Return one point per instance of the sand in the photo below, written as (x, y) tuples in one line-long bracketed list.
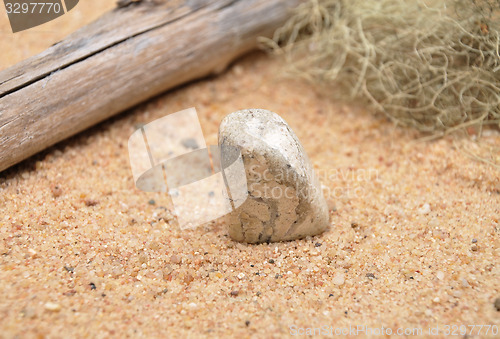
[(413, 243)]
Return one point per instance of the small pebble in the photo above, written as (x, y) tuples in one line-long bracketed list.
[(370, 275), (474, 248), (92, 286), (474, 240), (152, 202), (346, 264), (52, 307), (339, 278), (56, 191), (154, 245), (143, 258), (440, 275), (234, 293), (425, 209), (271, 261), (188, 278), (497, 304), (91, 202), (175, 259)]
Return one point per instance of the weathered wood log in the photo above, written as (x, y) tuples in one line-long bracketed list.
[(125, 57)]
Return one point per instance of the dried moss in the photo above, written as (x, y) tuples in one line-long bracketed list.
[(433, 66)]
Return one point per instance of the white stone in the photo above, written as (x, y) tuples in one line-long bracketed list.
[(285, 200), (339, 278), (425, 209), (53, 307)]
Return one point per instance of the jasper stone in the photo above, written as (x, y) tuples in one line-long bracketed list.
[(284, 201)]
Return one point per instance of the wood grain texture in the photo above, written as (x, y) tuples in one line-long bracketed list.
[(125, 57)]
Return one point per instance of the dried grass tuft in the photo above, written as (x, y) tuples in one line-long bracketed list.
[(434, 66)]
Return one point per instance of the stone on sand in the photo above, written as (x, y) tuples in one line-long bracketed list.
[(285, 201)]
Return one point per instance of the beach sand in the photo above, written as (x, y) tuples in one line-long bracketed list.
[(413, 242)]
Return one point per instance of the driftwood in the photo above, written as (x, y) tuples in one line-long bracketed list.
[(126, 56)]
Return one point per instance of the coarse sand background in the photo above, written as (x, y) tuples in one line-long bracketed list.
[(414, 238)]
